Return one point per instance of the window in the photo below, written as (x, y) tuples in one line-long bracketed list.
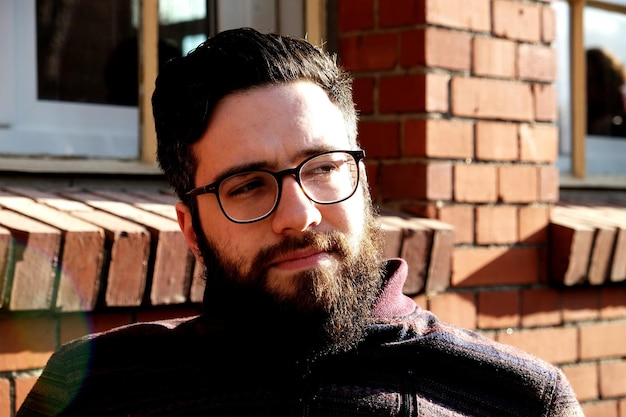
[(592, 86), (71, 87)]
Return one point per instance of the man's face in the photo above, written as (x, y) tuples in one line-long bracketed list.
[(300, 254)]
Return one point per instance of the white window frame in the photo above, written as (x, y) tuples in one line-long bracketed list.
[(55, 128), (31, 128), (583, 155)]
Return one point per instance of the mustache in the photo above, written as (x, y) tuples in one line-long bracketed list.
[(322, 241)]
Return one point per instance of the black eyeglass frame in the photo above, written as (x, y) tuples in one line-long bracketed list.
[(214, 187)]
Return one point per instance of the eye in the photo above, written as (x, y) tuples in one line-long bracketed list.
[(246, 185), (321, 169)]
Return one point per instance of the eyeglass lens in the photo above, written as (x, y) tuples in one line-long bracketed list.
[(325, 179)]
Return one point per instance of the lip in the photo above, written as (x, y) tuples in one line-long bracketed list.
[(301, 259)]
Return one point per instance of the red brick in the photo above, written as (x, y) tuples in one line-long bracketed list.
[(570, 248), (546, 106), (494, 57), (518, 184), (440, 263), (461, 217), (170, 269), (603, 340), (392, 235), (473, 15), (580, 305), (399, 12), (536, 63), (363, 94), (498, 309), (26, 343), (603, 242), (380, 139), (413, 48), (541, 307), (415, 249), (5, 398), (538, 143), (434, 47), (496, 224), (158, 203), (548, 24), (491, 99), (533, 223), (584, 380), (457, 309), (438, 138), (608, 256), (81, 261), (53, 200), (368, 52), (548, 183), (23, 386), (612, 303), (36, 259), (475, 183), (555, 345), (516, 20), (613, 379), (129, 247), (355, 15), (600, 409), (432, 180), (496, 141), (473, 267), (414, 92)]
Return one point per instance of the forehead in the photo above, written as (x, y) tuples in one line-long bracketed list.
[(272, 126)]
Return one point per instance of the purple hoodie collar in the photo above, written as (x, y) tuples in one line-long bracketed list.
[(392, 301)]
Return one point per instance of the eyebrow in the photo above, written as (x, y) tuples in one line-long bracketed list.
[(264, 165)]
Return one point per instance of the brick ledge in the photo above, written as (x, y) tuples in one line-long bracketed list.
[(587, 242), (75, 250)]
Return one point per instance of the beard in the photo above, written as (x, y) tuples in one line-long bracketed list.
[(326, 310)]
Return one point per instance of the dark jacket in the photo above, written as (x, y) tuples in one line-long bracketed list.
[(410, 364)]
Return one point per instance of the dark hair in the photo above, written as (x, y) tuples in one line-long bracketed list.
[(188, 89)]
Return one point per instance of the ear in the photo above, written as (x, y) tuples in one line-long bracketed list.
[(186, 226)]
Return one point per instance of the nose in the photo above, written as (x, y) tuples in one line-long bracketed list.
[(295, 213)]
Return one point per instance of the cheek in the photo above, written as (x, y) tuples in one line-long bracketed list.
[(235, 243), (349, 218), (219, 232)]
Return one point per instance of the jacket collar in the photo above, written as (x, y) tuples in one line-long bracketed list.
[(392, 301)]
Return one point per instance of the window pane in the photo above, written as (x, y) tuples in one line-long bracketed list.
[(87, 50), (605, 32), (183, 25), (84, 51)]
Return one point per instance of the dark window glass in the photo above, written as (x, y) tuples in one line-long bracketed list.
[(606, 72), (87, 50)]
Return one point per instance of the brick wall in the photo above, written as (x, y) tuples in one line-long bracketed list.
[(76, 262), (458, 113), (458, 109)]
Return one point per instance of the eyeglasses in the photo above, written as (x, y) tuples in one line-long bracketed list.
[(327, 178)]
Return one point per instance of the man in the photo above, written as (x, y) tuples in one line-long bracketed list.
[(257, 135)]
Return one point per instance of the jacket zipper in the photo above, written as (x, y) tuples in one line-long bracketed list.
[(409, 405)]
